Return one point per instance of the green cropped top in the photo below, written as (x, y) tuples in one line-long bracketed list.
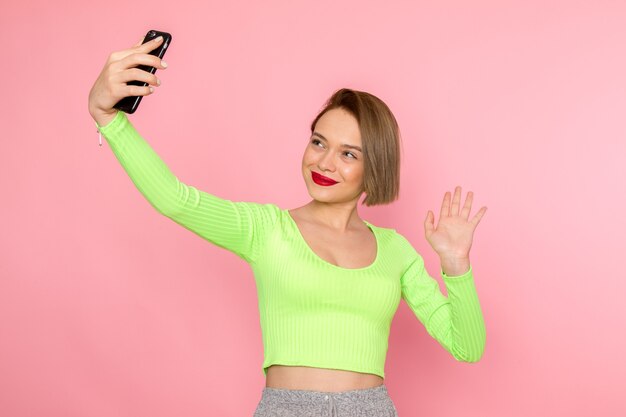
[(312, 313)]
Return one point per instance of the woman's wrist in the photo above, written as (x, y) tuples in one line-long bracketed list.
[(454, 267), (103, 118)]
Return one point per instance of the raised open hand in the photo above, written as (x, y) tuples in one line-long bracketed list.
[(452, 238)]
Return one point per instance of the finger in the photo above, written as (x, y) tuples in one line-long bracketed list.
[(134, 59), (445, 205), (139, 47), (478, 216), (136, 74), (137, 90), (456, 202), (467, 207), (428, 223), (150, 45)]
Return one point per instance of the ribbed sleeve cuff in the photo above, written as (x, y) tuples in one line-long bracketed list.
[(466, 275), (118, 123), (461, 286)]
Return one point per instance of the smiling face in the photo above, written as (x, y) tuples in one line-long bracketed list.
[(334, 151)]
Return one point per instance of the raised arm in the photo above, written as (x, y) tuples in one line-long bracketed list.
[(235, 226), (456, 321)]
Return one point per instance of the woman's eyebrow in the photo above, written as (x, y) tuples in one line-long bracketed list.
[(345, 145)]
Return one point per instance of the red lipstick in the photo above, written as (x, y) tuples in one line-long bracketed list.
[(319, 179)]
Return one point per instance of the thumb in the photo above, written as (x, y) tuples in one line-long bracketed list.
[(428, 223)]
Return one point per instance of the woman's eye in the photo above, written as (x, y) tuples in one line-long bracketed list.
[(315, 141), (351, 154)]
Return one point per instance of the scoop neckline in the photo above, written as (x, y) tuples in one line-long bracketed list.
[(324, 261)]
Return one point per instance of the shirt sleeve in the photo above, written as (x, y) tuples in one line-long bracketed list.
[(235, 226), (456, 321)]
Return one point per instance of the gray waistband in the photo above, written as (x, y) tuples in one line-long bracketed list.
[(307, 396)]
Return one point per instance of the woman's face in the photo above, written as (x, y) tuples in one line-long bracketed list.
[(334, 151)]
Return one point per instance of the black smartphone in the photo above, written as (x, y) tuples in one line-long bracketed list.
[(129, 104)]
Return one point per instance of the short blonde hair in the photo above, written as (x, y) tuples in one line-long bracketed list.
[(381, 142)]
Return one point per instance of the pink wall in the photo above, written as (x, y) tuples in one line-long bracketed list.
[(109, 309)]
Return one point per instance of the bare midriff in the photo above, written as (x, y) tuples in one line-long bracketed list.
[(319, 379)]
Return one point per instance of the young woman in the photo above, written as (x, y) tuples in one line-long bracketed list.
[(328, 282)]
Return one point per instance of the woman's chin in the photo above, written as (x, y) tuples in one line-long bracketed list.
[(328, 196)]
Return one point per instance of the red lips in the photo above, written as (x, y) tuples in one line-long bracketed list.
[(319, 179)]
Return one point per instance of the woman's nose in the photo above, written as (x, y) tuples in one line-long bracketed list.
[(326, 162)]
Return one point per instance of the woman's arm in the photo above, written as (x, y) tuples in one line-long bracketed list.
[(456, 321), (236, 226)]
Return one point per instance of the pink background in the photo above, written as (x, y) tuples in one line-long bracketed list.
[(108, 308)]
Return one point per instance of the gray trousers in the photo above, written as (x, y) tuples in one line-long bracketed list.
[(368, 402)]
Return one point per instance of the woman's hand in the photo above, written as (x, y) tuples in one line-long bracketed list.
[(110, 86), (452, 239)]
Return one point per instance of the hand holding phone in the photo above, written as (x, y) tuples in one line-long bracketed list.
[(130, 103), (128, 74)]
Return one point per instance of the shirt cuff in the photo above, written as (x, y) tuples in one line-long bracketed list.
[(466, 275), (112, 124)]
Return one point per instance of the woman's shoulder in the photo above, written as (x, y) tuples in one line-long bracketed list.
[(392, 235), (257, 205), (261, 212)]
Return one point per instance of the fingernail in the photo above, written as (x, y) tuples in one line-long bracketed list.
[(164, 63), (151, 89), (158, 39)]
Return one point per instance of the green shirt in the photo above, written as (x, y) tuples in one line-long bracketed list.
[(312, 313)]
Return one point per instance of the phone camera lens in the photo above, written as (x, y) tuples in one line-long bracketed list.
[(152, 33)]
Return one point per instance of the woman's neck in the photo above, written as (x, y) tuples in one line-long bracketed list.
[(337, 216)]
